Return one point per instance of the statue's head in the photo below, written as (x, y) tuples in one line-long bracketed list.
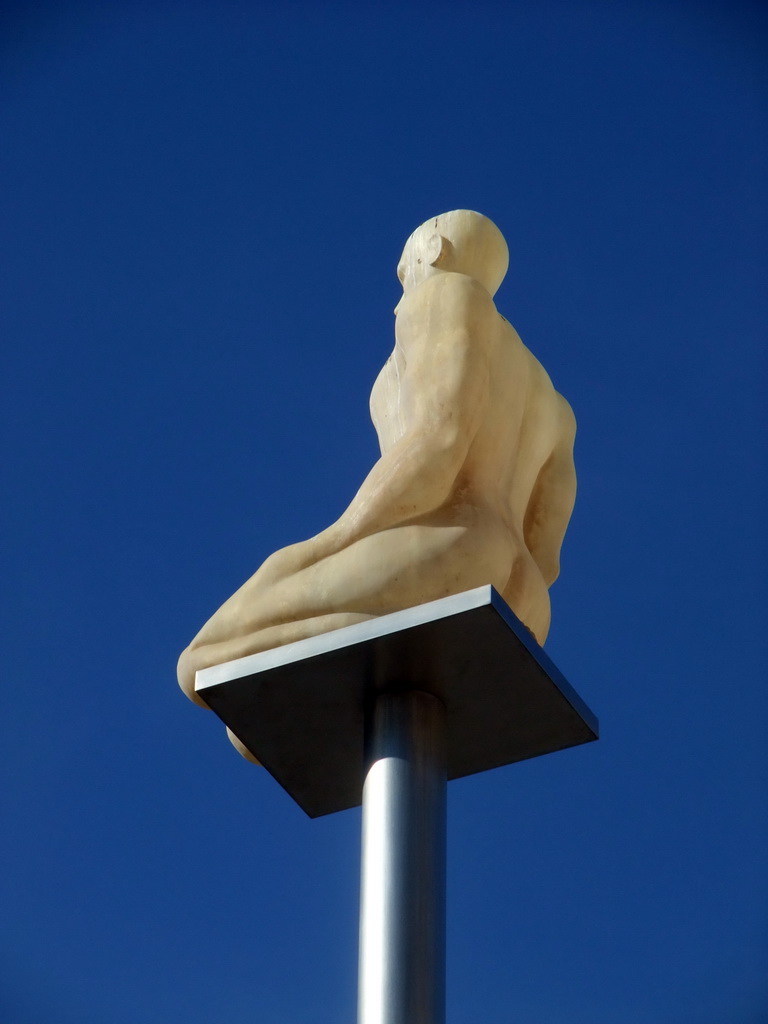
[(463, 242)]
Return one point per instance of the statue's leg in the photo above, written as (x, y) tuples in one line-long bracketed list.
[(450, 551), (201, 656)]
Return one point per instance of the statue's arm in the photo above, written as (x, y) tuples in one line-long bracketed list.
[(552, 500), (444, 392)]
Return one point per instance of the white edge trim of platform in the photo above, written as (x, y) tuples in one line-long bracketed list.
[(383, 625)]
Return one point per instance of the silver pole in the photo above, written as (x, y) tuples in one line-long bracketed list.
[(402, 906)]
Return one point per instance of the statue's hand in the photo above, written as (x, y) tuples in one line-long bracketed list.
[(283, 563), (291, 560), (332, 540)]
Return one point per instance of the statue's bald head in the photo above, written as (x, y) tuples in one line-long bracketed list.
[(464, 242)]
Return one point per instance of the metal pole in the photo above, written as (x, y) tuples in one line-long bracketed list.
[(402, 907)]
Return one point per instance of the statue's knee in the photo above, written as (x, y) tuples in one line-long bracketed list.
[(189, 663)]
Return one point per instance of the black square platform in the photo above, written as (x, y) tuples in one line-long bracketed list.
[(301, 709)]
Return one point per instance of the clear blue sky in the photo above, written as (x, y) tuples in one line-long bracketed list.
[(203, 205)]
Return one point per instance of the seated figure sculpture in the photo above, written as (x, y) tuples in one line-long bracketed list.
[(475, 483)]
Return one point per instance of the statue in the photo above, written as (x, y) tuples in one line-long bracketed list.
[(475, 483)]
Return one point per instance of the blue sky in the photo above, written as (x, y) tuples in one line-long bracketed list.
[(203, 206)]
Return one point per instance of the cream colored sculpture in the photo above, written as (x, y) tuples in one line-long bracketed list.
[(475, 483)]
